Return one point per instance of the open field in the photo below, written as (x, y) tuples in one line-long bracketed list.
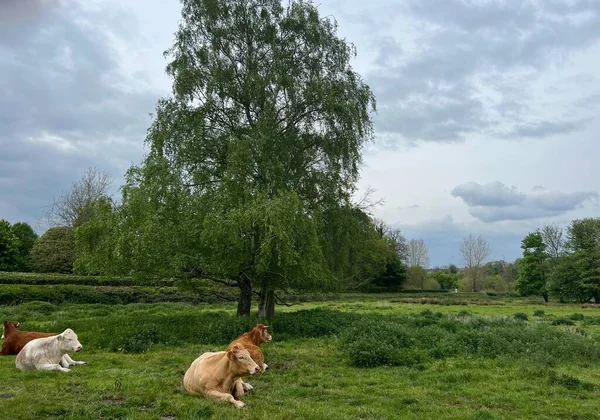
[(453, 357)]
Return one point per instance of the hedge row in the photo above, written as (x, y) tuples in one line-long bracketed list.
[(17, 294), (64, 279)]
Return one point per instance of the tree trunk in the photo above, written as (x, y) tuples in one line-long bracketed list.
[(545, 296), (596, 298), (245, 299), (262, 300), (270, 304)]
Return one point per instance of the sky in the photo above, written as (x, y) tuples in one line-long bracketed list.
[(488, 111)]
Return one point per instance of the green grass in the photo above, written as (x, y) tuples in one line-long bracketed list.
[(311, 375)]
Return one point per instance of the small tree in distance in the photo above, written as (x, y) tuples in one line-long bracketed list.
[(474, 252), (75, 206)]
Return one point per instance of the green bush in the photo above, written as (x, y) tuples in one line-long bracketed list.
[(54, 251), (539, 312), (412, 340), (521, 316), (562, 321), (577, 317)]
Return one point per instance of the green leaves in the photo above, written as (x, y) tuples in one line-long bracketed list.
[(16, 242), (532, 279)]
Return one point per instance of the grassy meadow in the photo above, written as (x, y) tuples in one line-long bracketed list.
[(438, 356)]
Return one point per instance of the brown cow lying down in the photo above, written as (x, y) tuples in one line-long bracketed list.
[(15, 340), (218, 374), (251, 341)]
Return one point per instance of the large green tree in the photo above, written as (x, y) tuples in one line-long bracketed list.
[(256, 154), (26, 237), (532, 278), (9, 247)]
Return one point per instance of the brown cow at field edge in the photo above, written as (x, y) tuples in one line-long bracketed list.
[(15, 339), (218, 375)]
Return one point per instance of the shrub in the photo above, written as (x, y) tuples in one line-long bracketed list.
[(54, 251), (562, 321), (539, 312), (577, 317), (412, 340), (521, 316)]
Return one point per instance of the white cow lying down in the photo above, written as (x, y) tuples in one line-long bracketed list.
[(49, 353)]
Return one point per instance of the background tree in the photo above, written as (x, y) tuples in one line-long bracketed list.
[(96, 250), (474, 252), (255, 157), (9, 247), (446, 279), (75, 206), (26, 239), (584, 241), (54, 251), (399, 240), (418, 255), (554, 240), (532, 277), (418, 260)]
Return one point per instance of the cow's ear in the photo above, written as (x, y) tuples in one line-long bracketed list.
[(231, 355)]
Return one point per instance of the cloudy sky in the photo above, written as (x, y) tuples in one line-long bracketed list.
[(488, 110)]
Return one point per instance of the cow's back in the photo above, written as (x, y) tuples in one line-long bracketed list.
[(203, 371), (34, 350), (15, 342)]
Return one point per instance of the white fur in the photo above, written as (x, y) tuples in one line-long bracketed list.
[(49, 353)]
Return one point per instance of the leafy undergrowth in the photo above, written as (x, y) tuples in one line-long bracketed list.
[(417, 339), (307, 379), (324, 363)]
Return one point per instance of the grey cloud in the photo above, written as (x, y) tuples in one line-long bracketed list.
[(432, 93), (548, 128), (66, 105), (495, 202), (492, 194)]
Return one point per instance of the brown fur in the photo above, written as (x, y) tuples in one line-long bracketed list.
[(251, 341), (218, 375), (15, 339)]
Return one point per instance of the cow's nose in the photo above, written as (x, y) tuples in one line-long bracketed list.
[(78, 348)]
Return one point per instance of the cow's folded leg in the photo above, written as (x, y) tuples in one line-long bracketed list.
[(246, 386), (50, 366), (72, 362), (238, 389), (64, 362), (225, 397)]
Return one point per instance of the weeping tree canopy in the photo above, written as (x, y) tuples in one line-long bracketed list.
[(251, 156)]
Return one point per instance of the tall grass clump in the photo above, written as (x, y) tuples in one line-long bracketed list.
[(415, 339)]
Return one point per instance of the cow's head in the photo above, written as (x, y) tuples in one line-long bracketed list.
[(260, 334), (242, 362), (9, 326), (68, 342)]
